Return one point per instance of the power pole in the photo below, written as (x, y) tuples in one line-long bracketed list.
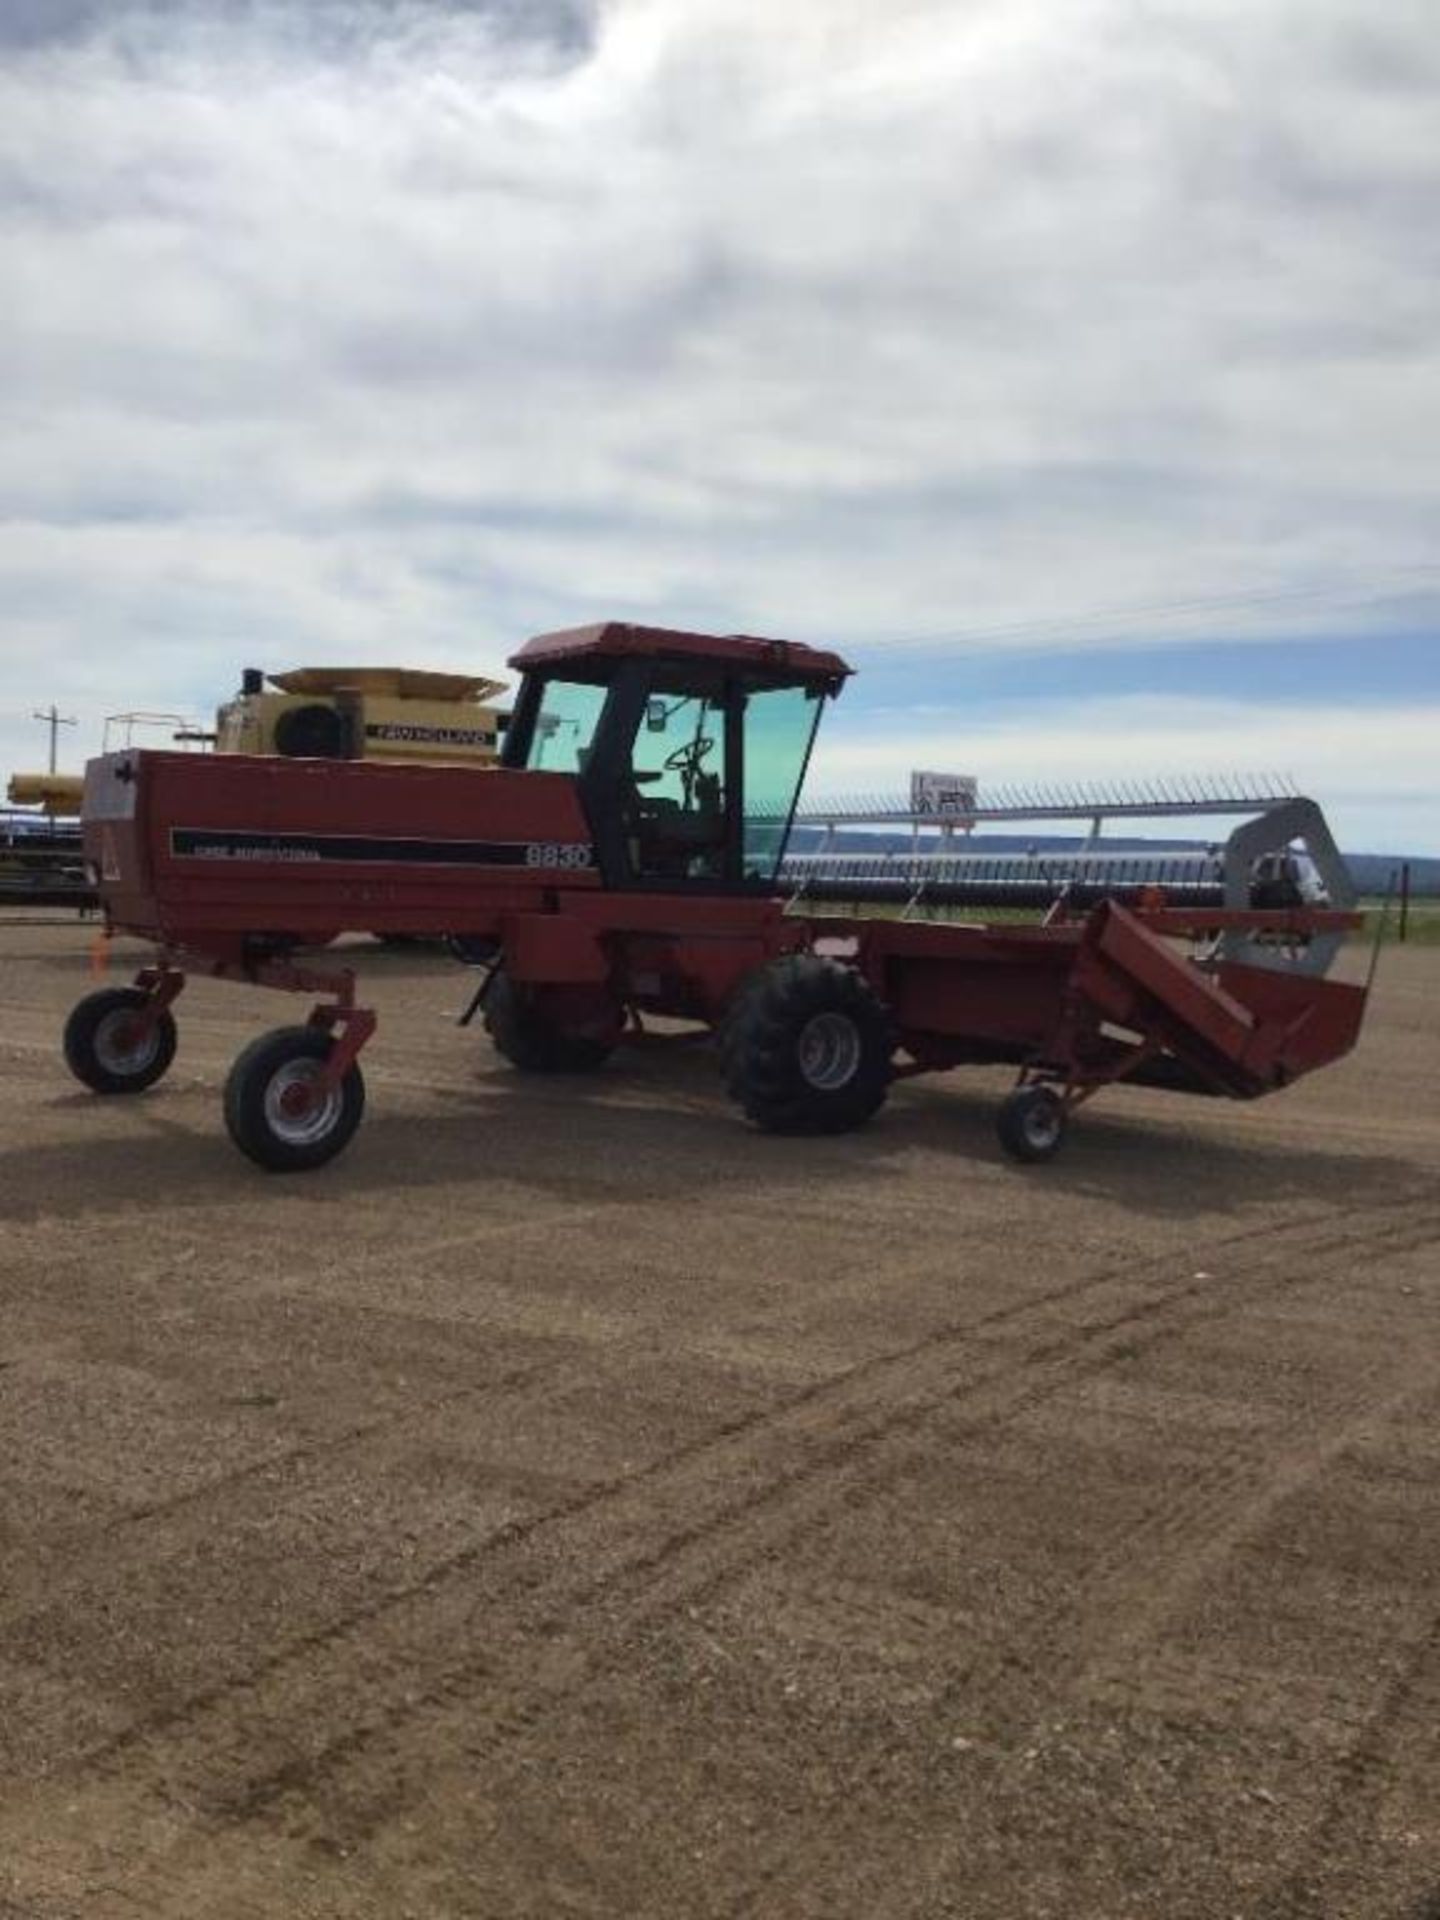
[(54, 719)]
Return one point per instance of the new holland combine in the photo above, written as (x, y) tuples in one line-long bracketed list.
[(319, 713), (363, 713), (620, 862)]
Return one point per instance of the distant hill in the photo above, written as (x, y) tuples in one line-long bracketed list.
[(1372, 873)]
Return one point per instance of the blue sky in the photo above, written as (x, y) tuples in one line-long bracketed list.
[(1070, 364), (1367, 671), (1349, 719)]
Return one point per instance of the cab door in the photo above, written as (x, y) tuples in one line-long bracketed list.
[(676, 794)]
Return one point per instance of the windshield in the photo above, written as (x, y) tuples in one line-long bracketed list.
[(779, 728)]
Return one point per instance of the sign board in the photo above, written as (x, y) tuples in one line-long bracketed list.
[(948, 796)]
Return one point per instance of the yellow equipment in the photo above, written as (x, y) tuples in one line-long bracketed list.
[(55, 794), (324, 713), (363, 713)]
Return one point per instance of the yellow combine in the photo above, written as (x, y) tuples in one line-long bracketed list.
[(56, 795), (363, 713), (330, 713)]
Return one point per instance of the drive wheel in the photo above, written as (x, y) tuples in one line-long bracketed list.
[(806, 1048), (1031, 1123), (550, 1029), (279, 1112), (111, 1048)]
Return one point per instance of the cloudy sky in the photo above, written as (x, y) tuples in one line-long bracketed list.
[(1071, 364)]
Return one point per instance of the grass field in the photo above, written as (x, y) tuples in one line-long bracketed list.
[(1423, 921)]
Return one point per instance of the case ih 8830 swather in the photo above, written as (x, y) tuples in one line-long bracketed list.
[(622, 861)]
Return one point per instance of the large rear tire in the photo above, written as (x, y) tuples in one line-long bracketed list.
[(553, 1030), (806, 1048), (111, 1048), (277, 1110)]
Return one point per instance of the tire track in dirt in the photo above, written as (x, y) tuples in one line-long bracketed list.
[(299, 1463), (1127, 1598), (1144, 1567), (288, 1463), (233, 1751), (816, 1399), (1012, 1669), (1406, 1710), (302, 1464), (1296, 1457)]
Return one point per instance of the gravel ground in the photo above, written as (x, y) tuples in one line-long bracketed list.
[(572, 1503)]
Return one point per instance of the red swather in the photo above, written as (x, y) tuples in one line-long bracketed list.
[(638, 879)]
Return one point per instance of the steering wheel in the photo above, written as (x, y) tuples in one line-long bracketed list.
[(687, 759)]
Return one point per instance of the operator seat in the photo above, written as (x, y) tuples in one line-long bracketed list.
[(671, 841)]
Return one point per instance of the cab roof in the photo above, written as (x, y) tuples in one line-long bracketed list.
[(782, 659)]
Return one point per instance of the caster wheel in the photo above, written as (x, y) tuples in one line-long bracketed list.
[(1031, 1123), (110, 1048), (279, 1111)]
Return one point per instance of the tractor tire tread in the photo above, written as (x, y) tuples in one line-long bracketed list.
[(759, 1047), (531, 1043)]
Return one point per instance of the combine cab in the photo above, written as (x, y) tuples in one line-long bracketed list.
[(622, 861)]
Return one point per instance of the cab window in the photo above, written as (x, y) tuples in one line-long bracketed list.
[(674, 798), (780, 727), (565, 726)]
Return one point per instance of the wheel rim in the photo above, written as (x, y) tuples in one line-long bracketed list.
[(298, 1109), (1041, 1122), (829, 1051), (123, 1046)]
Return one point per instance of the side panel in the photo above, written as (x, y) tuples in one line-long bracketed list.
[(991, 989), (314, 847), (552, 949), (116, 842), (1306, 1022), (685, 954)]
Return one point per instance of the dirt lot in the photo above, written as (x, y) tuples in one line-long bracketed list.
[(571, 1503)]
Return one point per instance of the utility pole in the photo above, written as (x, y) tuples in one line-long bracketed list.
[(53, 719)]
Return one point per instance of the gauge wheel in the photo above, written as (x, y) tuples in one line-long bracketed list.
[(1031, 1123), (112, 1047)]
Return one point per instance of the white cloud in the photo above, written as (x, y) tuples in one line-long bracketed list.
[(404, 331)]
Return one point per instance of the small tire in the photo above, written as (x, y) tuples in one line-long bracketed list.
[(807, 1048), (532, 1039), (270, 1110), (1031, 1123), (108, 1050)]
